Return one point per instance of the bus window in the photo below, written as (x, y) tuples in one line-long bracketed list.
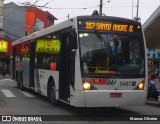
[(47, 53), (127, 57)]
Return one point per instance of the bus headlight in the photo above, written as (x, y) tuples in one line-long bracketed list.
[(86, 85), (141, 85)]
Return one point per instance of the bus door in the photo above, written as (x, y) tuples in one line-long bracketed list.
[(32, 64), (67, 66)]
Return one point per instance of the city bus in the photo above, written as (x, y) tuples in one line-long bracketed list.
[(86, 61)]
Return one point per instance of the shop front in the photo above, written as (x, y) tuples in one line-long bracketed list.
[(153, 56)]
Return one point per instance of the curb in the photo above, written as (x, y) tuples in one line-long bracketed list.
[(153, 103)]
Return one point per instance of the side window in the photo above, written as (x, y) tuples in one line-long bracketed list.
[(47, 51), (25, 51), (17, 53), (22, 52)]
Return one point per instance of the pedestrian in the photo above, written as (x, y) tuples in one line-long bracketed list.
[(1, 68), (4, 68), (152, 92)]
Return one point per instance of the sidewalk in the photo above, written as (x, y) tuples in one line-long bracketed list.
[(153, 103), (3, 77)]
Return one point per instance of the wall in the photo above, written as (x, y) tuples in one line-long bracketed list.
[(36, 19), (14, 21), (20, 21)]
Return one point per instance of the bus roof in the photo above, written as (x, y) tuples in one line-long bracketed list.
[(108, 18)]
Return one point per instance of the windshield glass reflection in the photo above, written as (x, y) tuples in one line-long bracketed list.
[(111, 54)]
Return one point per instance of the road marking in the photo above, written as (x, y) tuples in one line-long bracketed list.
[(8, 93), (6, 79), (27, 94)]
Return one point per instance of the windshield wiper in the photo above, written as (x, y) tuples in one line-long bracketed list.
[(106, 43)]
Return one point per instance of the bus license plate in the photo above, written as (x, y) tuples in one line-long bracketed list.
[(115, 95)]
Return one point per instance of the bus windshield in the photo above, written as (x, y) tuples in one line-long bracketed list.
[(103, 53)]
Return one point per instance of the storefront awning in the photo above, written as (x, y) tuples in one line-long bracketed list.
[(152, 30)]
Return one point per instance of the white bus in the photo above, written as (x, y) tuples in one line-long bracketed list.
[(87, 61)]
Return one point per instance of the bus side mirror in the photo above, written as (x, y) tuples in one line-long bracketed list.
[(73, 39)]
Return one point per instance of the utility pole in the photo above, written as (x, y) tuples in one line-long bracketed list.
[(137, 18), (100, 8), (132, 8), (1, 17), (137, 7)]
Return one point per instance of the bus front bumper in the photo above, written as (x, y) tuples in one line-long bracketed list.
[(110, 98)]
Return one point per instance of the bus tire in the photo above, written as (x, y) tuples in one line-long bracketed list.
[(52, 93), (21, 83)]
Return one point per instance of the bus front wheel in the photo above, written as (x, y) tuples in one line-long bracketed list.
[(52, 93)]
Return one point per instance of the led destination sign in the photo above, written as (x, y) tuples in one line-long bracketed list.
[(48, 46), (3, 46), (105, 26)]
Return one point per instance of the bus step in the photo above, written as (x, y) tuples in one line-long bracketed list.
[(64, 101), (32, 88)]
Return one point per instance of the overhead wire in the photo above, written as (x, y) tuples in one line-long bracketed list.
[(35, 2), (47, 3), (119, 7), (63, 17), (44, 6)]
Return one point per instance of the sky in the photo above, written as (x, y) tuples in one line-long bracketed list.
[(119, 8)]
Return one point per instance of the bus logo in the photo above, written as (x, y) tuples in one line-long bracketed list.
[(133, 83), (6, 118), (111, 82)]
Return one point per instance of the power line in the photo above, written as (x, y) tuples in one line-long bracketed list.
[(81, 8), (47, 3), (64, 17), (59, 8), (66, 8), (44, 6), (35, 2), (106, 2), (119, 6)]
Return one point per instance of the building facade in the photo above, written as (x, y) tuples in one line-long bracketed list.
[(152, 37), (20, 21)]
